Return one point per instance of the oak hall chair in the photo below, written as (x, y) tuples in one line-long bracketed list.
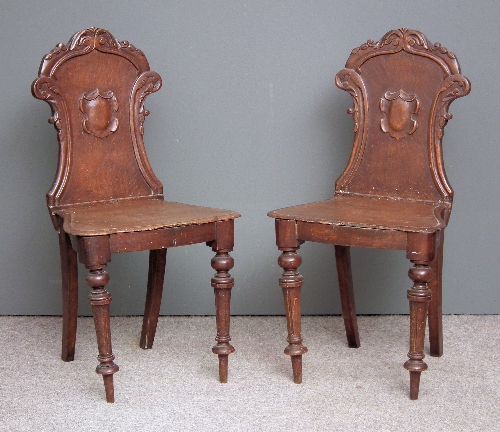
[(393, 194), (105, 197)]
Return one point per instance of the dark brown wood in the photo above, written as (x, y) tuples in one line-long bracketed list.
[(419, 296), (163, 237), (105, 193), (420, 251), (344, 236), (100, 300), (156, 275), (69, 273), (222, 283), (291, 284), (394, 193), (94, 253), (380, 213), (435, 316), (344, 273)]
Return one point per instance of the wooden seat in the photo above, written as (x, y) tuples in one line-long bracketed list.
[(393, 194), (106, 198)]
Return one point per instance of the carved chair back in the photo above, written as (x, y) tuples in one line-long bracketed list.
[(96, 88), (401, 87)]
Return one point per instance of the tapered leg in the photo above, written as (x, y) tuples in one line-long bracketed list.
[(222, 283), (291, 283), (419, 296), (69, 272), (157, 260), (100, 299), (436, 303), (344, 273)]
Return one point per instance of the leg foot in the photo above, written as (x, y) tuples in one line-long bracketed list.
[(223, 368), (414, 385), (297, 368), (109, 388)]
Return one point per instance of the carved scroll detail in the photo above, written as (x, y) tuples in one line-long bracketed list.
[(100, 108), (411, 41), (453, 87), (87, 40), (46, 89), (147, 83), (350, 81), (399, 108)]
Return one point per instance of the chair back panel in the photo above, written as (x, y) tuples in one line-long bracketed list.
[(96, 87), (401, 87)]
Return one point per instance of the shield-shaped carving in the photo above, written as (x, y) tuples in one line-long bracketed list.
[(100, 108), (399, 108)]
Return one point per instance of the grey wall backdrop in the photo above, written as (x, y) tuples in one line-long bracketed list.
[(249, 119)]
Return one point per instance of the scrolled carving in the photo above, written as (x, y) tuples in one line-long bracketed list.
[(46, 89), (453, 87), (59, 48), (408, 40), (369, 44), (100, 108), (85, 41), (350, 81), (96, 38), (147, 83), (398, 108), (438, 47)]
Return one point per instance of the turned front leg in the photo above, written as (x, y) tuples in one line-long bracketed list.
[(419, 296), (100, 299), (222, 282), (291, 283)]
